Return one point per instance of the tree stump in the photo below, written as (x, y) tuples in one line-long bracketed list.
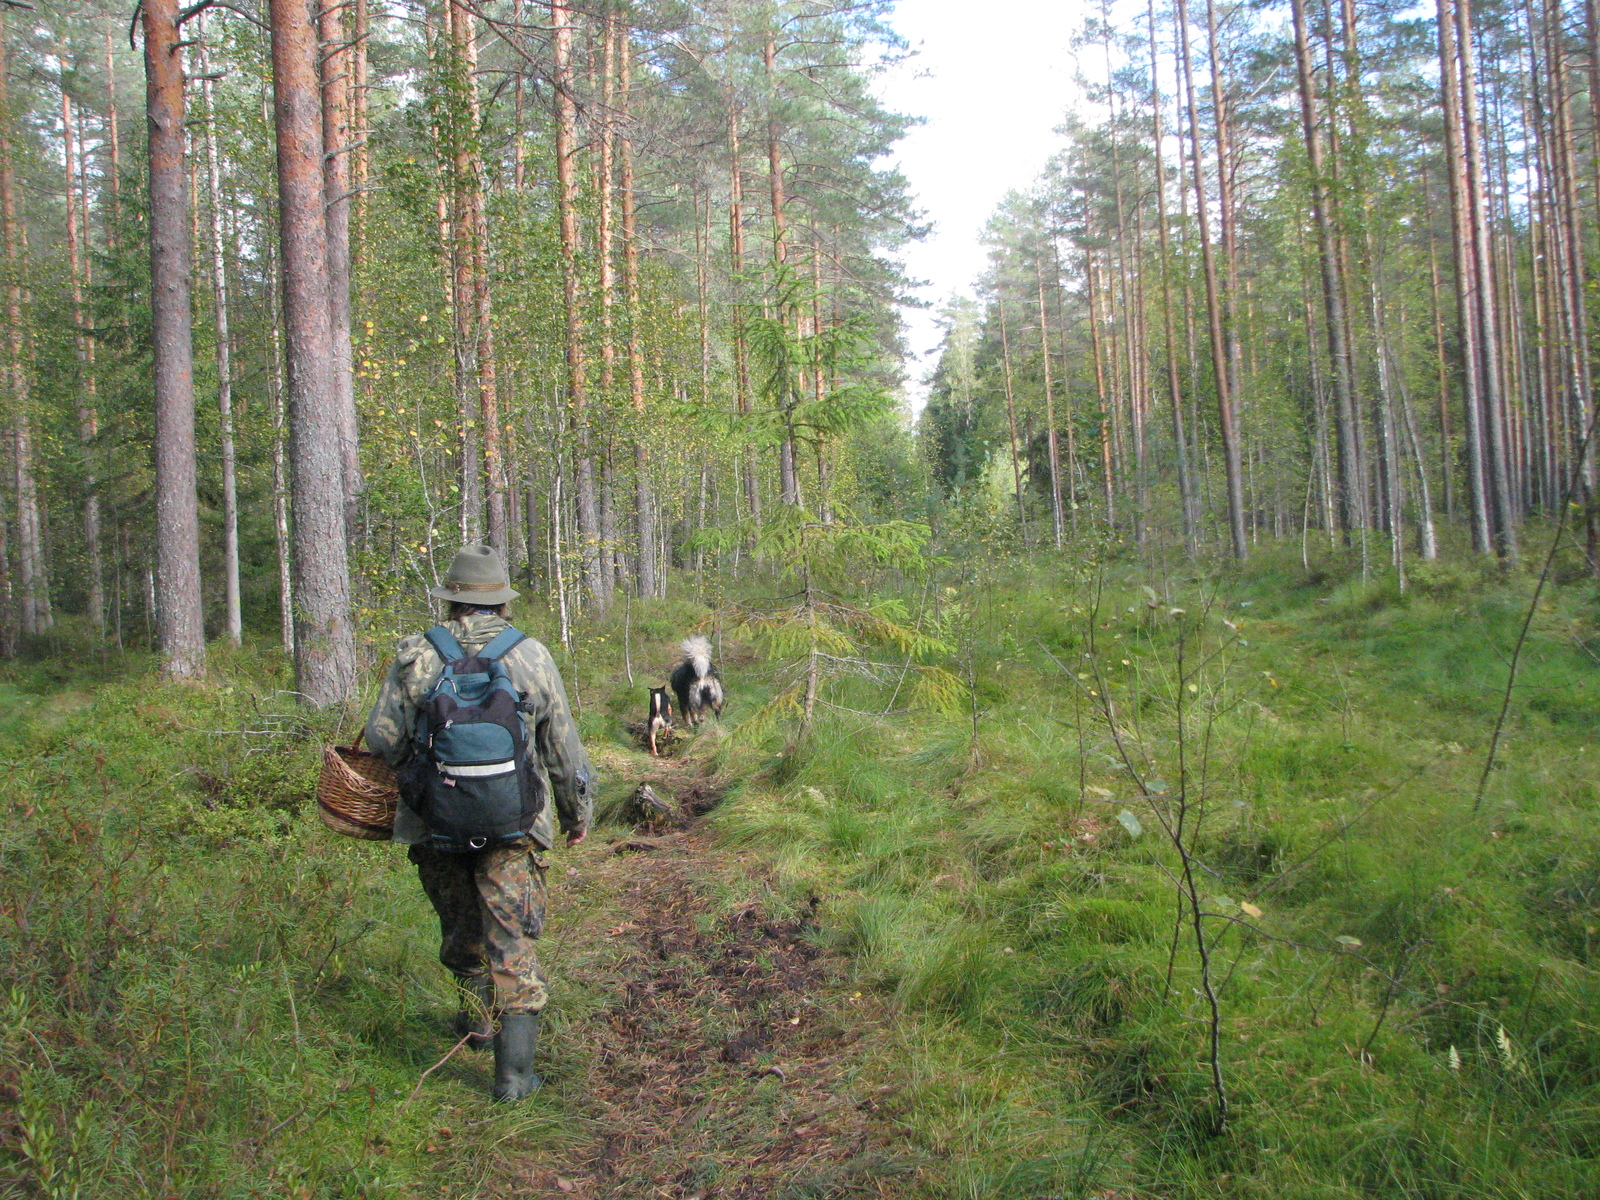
[(645, 808)]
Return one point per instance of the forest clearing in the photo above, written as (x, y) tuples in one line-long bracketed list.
[(1148, 755)]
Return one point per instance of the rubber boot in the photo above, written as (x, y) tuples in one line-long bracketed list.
[(476, 996), (513, 1056)]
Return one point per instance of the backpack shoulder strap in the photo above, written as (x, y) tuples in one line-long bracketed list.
[(507, 640), (443, 641)]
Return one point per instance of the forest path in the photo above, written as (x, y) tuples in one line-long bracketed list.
[(721, 1053)]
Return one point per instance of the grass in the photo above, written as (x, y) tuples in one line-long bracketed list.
[(202, 995), (987, 887)]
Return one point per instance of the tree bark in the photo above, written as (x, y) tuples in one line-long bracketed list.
[(219, 297), (88, 417), (741, 357), (788, 454), (1174, 383), (605, 251), (472, 212), (577, 369), (769, 58), (334, 59), (361, 29), (1057, 517), (454, 134), (1107, 475), (1011, 417), (8, 627), (324, 640), (1494, 413), (180, 632), (1441, 363), (1465, 280), (644, 499), (1221, 366), (276, 393), (113, 147), (1352, 506)]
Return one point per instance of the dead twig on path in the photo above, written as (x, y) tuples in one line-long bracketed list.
[(423, 1078)]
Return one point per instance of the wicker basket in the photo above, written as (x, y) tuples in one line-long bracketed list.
[(357, 793)]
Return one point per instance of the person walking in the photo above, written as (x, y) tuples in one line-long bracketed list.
[(474, 718)]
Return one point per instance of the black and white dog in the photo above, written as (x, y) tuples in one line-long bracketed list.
[(660, 717), (696, 682)]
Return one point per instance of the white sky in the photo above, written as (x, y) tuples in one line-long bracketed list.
[(993, 80)]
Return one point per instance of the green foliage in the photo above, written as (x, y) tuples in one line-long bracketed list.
[(204, 993), (1406, 1010), (819, 637)]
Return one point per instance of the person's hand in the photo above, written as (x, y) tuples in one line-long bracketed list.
[(576, 836)]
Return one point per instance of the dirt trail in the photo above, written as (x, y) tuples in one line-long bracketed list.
[(724, 1059)]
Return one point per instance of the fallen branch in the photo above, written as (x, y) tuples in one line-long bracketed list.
[(423, 1078)]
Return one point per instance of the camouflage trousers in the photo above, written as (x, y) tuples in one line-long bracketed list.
[(491, 910)]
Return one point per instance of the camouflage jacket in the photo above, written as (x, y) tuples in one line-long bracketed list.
[(560, 766)]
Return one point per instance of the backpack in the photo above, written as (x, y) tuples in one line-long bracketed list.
[(468, 778)]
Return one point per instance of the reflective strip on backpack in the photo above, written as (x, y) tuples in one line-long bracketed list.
[(478, 770)]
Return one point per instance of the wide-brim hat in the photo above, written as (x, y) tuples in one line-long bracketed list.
[(476, 576)]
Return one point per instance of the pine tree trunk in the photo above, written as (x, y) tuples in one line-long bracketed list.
[(1010, 410), (1056, 516), (1497, 460), (324, 642), (1352, 507), (819, 386), (1441, 363), (8, 626), (1186, 498), (113, 147), (1428, 543), (1465, 280), (788, 456), (1388, 447), (1138, 366), (88, 418), (180, 633), (741, 356), (277, 394), (334, 59), (605, 252), (780, 224), (456, 133), (474, 195), (650, 582), (361, 29), (1011, 420), (577, 369), (1222, 134), (1107, 475), (1571, 267), (219, 297), (88, 432), (1222, 368)]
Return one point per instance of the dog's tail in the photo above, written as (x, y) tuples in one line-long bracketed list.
[(697, 653)]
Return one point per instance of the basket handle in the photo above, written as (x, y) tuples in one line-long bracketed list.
[(356, 744)]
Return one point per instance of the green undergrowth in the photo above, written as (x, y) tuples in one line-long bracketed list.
[(203, 994), (1406, 986)]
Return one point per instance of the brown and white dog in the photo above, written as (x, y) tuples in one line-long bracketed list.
[(695, 680), (660, 716)]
